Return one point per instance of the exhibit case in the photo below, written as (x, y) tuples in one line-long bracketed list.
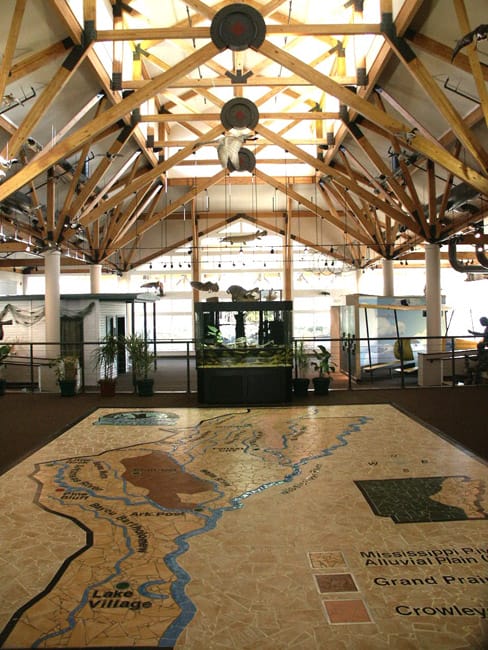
[(375, 324), (244, 352)]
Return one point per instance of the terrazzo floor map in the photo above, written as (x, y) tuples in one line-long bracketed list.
[(271, 528)]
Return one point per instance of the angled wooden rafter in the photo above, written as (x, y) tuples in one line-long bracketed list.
[(72, 142)]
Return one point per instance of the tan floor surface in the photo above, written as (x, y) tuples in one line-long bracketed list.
[(342, 527)]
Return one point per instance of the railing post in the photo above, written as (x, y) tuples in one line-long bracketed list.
[(188, 383), (31, 367), (402, 374)]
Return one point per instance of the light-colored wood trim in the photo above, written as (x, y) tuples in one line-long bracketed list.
[(9, 51), (72, 142), (40, 108), (439, 100), (473, 57), (169, 33)]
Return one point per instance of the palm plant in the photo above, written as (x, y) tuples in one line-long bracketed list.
[(105, 356), (142, 361)]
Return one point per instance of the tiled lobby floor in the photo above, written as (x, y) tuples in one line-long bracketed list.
[(343, 527)]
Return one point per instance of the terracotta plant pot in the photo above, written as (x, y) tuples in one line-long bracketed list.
[(107, 387)]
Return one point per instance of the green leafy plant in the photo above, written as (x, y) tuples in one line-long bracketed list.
[(301, 359), (66, 368), (4, 352), (105, 355), (214, 335), (141, 358), (323, 364)]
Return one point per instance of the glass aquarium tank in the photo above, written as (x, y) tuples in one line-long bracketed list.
[(244, 351)]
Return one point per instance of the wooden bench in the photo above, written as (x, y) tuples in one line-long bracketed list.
[(379, 366), (407, 370)]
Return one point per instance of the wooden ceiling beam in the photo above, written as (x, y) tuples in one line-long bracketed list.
[(443, 52), (74, 141), (290, 192), (193, 33), (44, 102), (170, 208), (215, 117), (33, 62), (342, 179), (226, 82), (473, 57), (439, 100), (9, 50), (392, 125), (148, 176)]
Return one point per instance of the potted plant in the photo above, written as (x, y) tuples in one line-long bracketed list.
[(4, 352), (300, 383), (324, 366), (142, 361), (105, 356), (66, 369)]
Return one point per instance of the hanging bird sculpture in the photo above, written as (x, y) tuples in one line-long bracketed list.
[(6, 164), (228, 147), (479, 33)]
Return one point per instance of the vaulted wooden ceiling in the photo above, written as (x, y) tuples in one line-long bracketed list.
[(367, 125)]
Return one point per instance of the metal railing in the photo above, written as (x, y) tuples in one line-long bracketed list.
[(29, 363)]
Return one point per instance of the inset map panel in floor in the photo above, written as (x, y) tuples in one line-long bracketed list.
[(433, 498)]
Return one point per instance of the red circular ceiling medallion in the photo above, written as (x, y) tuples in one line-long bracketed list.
[(238, 27)]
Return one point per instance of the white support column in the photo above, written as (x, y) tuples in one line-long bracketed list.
[(53, 302), (95, 278), (388, 284), (433, 295)]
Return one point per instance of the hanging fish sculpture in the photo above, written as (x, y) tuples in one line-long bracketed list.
[(204, 286), (239, 294), (243, 239), (479, 33)]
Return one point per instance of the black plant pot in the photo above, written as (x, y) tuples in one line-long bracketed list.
[(145, 387), (300, 386), (3, 386), (321, 385), (67, 387)]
